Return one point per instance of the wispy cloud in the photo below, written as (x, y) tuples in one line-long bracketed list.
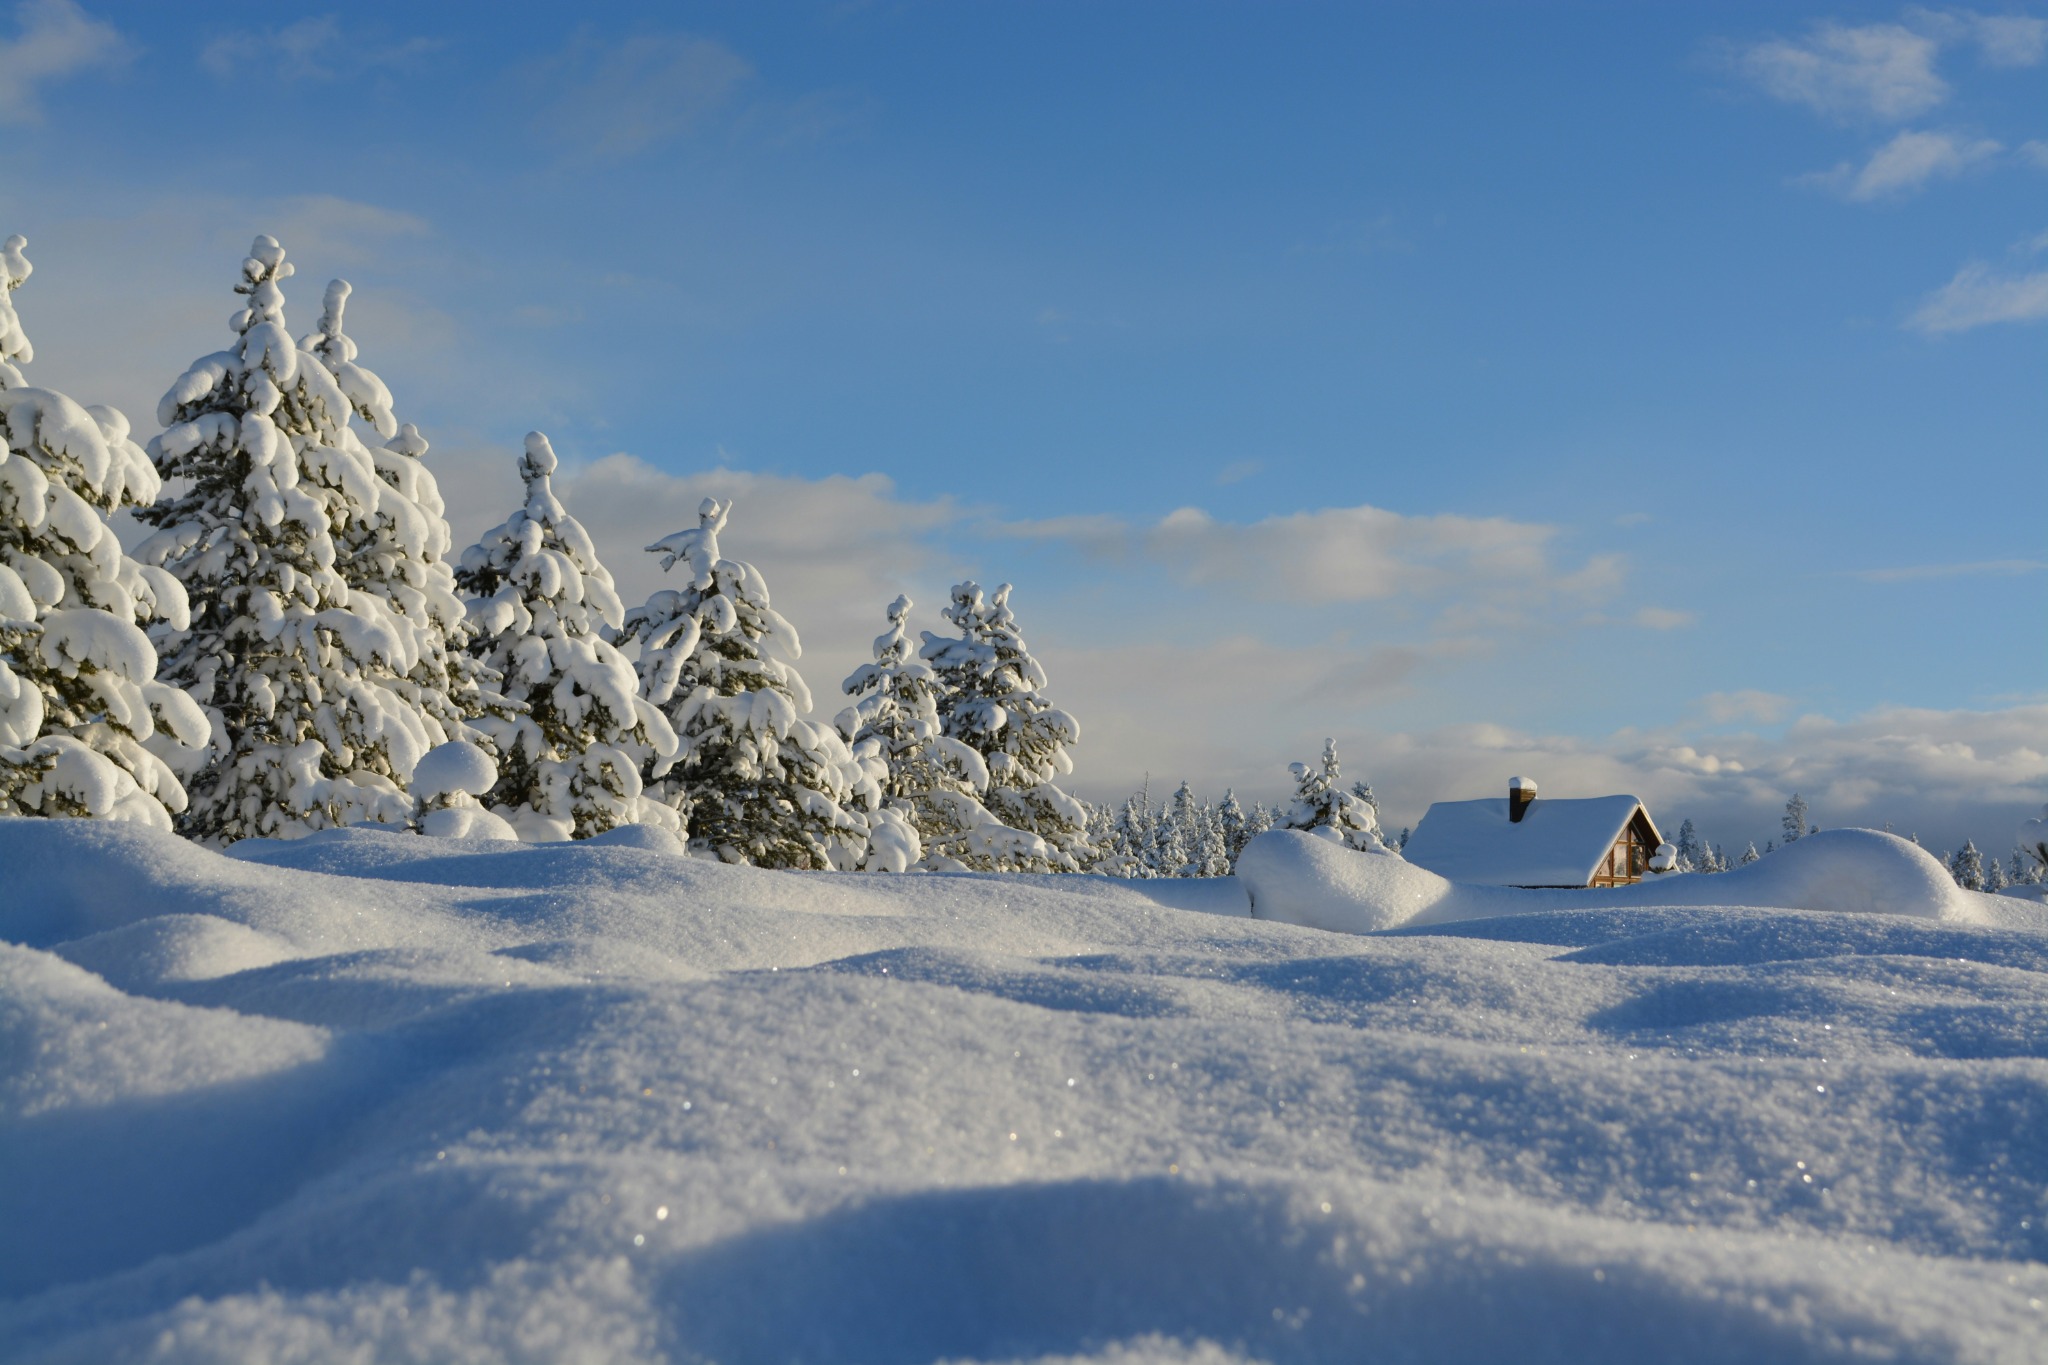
[(1872, 71), (2007, 40), (1906, 164), (54, 39), (614, 100), (1980, 295), (308, 49), (1341, 554), (1987, 568), (1237, 471)]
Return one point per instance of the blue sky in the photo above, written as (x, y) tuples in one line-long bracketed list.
[(1648, 397)]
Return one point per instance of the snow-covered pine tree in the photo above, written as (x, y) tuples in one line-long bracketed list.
[(1122, 839), (570, 765), (80, 707), (1692, 854), (1172, 846), (1749, 854), (992, 699), (1235, 825), (1966, 865), (2023, 868), (1322, 805), (1794, 823), (1995, 879), (398, 550), (1199, 837), (289, 665), (936, 780), (757, 781)]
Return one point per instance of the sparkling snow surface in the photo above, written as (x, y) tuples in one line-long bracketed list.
[(380, 1097)]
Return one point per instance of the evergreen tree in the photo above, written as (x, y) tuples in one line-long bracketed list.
[(1749, 854), (289, 664), (1321, 803), (935, 780), (1209, 849), (992, 699), (1966, 865), (569, 763), (1794, 823), (2024, 868), (80, 706), (1692, 854), (1236, 826), (1995, 878), (397, 551), (757, 782)]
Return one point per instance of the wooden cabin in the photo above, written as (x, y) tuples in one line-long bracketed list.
[(1521, 841)]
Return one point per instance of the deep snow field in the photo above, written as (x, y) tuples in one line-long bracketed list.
[(378, 1097)]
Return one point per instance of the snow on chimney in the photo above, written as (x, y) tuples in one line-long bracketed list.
[(1521, 796)]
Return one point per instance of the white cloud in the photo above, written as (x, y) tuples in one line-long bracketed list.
[(1343, 554), (308, 49), (1979, 296), (613, 100), (1882, 71), (2034, 152), (1905, 164), (56, 39), (2002, 568), (2007, 40), (1237, 471)]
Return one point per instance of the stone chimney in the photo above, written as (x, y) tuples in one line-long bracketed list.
[(1521, 796)]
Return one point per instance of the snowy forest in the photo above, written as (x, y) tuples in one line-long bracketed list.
[(297, 645)]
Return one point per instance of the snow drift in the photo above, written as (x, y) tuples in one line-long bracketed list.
[(1302, 879), (376, 1096)]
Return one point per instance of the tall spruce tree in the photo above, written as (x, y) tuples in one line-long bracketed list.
[(757, 781), (290, 665), (398, 550), (993, 700), (570, 762), (80, 706)]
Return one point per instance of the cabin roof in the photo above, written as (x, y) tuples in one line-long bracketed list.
[(1556, 842)]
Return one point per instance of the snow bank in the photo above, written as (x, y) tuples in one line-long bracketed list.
[(1298, 879), (369, 1095)]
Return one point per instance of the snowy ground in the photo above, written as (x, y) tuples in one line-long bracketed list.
[(378, 1097)]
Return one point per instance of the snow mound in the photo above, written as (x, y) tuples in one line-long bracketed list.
[(367, 1095), (168, 948), (1299, 879)]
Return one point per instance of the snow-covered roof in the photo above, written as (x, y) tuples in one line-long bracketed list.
[(1556, 843)]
